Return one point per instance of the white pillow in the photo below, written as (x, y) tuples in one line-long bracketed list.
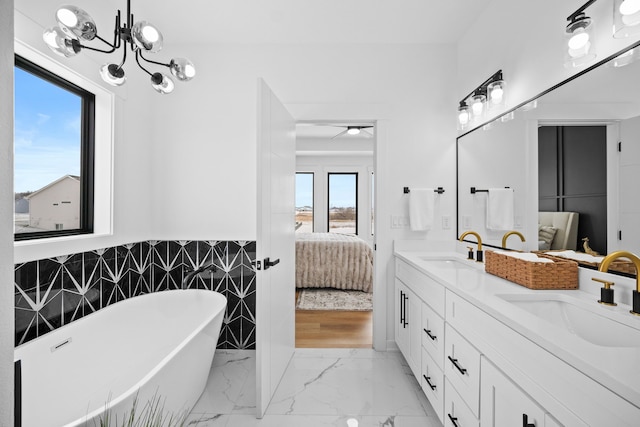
[(545, 236)]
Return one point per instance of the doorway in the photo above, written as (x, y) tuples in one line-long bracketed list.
[(572, 177), (335, 195)]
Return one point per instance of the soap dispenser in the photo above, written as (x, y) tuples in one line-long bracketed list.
[(606, 293)]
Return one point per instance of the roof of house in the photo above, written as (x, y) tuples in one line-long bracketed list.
[(51, 184)]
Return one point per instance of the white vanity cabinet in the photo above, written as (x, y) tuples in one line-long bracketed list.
[(503, 403), (477, 370)]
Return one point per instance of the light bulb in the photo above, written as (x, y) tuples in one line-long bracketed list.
[(579, 40), (162, 83), (66, 17), (150, 33), (463, 117), (629, 7), (477, 104), (496, 95), (353, 130), (352, 422)]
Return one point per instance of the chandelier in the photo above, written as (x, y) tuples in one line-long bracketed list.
[(76, 27)]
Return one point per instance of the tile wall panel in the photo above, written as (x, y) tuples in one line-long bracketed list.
[(52, 292)]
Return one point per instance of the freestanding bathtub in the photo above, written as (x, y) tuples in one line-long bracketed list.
[(155, 347)]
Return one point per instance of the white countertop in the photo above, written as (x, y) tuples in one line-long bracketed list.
[(617, 368)]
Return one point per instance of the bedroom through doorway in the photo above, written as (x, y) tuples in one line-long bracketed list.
[(335, 223)]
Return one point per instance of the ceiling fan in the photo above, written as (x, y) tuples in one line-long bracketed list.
[(354, 130)]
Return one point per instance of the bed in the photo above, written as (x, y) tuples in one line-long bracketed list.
[(332, 260)]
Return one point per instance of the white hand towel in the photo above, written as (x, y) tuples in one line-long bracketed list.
[(421, 207), (500, 209)]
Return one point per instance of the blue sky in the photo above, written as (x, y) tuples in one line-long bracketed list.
[(47, 132), (342, 190)]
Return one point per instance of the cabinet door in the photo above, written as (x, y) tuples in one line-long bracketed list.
[(503, 403), (401, 324)]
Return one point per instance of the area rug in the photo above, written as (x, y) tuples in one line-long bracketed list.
[(334, 299)]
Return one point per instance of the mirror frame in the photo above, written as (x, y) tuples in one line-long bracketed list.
[(513, 110)]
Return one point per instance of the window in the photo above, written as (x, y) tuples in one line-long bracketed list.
[(304, 202), (343, 202), (54, 154)]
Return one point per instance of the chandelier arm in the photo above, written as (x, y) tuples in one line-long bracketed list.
[(113, 49), (140, 65), (153, 62)]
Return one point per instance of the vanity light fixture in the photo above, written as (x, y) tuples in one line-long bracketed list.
[(76, 27), (464, 116), (626, 18), (488, 95), (579, 47)]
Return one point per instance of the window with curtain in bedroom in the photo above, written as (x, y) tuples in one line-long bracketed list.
[(343, 202), (304, 202), (53, 154)]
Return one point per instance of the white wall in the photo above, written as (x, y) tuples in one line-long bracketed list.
[(321, 166), (629, 176), (205, 139), (525, 39), (6, 213)]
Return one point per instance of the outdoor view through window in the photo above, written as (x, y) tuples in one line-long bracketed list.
[(342, 202), (47, 150)]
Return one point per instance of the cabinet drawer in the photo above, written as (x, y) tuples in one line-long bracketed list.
[(432, 382), (432, 333), (456, 412), (462, 368), (424, 286)]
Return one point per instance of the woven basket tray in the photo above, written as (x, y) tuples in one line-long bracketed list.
[(559, 274), (619, 265)]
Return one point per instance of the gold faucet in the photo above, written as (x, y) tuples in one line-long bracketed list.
[(479, 250), (509, 233), (604, 267)]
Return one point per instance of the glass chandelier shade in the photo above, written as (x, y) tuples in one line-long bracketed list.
[(146, 36), (75, 27), (113, 74), (182, 69), (162, 83), (579, 49), (626, 18), (59, 42), (76, 23)]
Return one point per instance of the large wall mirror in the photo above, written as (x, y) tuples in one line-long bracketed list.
[(563, 163)]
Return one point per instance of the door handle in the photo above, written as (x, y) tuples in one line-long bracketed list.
[(428, 332), (268, 263), (428, 380), (457, 365)]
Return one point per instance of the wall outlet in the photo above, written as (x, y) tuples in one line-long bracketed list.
[(399, 221), (466, 221), (446, 222)]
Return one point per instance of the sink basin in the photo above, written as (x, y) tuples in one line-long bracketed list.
[(448, 263), (574, 317)]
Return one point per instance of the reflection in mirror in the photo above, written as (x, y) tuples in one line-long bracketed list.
[(572, 188)]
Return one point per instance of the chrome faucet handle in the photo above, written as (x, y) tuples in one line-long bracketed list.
[(606, 293)]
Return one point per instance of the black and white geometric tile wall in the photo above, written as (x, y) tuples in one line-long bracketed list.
[(50, 293)]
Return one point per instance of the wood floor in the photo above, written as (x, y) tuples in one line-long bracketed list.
[(334, 329)]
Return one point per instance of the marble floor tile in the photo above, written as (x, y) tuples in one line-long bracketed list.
[(321, 387)]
